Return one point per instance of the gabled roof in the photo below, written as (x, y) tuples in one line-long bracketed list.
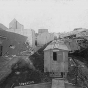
[(3, 27), (14, 20), (57, 44)]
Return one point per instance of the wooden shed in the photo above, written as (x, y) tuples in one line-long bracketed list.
[(56, 57)]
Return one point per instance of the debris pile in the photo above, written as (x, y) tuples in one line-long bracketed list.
[(38, 58), (29, 67), (22, 72)]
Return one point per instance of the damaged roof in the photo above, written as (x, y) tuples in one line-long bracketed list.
[(12, 36), (12, 43), (57, 44)]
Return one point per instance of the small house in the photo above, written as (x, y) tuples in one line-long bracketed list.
[(56, 57)]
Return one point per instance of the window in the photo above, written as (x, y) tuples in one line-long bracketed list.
[(54, 56), (36, 42), (12, 46), (1, 50)]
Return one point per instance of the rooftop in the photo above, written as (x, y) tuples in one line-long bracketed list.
[(57, 44)]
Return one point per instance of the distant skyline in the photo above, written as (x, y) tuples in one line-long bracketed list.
[(54, 15)]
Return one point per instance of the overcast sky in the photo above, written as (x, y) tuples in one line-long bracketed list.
[(55, 15)]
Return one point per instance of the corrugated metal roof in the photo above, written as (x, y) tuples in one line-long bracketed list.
[(57, 44)]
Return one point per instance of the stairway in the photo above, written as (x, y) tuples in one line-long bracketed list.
[(61, 83)]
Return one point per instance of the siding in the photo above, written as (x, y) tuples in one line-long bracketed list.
[(57, 66), (47, 61), (60, 65)]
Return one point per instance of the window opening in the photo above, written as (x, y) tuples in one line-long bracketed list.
[(54, 56)]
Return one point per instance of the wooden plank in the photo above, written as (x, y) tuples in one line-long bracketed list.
[(58, 83)]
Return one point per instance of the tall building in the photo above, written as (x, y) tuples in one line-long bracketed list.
[(30, 33), (16, 27), (44, 38), (14, 24), (42, 30)]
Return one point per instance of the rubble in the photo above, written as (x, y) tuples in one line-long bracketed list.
[(28, 67), (38, 58), (22, 73)]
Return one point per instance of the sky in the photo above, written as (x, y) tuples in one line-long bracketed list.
[(54, 15)]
